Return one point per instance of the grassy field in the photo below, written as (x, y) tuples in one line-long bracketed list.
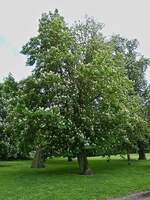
[(60, 181)]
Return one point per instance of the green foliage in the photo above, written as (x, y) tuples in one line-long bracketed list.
[(79, 95), (135, 63), (8, 91)]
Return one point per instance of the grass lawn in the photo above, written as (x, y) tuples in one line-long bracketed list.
[(60, 181)]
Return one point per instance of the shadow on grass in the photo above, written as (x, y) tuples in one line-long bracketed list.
[(62, 167), (3, 165), (58, 167)]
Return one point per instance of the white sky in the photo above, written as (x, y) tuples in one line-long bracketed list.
[(19, 21)]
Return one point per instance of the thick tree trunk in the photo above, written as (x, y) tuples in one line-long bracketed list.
[(38, 161), (69, 159), (141, 151), (83, 165)]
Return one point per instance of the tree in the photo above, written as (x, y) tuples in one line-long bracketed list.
[(3, 144), (136, 66), (8, 143), (82, 94)]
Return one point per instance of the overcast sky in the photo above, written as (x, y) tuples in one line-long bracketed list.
[(19, 21)]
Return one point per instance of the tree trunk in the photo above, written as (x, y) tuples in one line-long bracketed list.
[(69, 159), (38, 161), (129, 159), (141, 151), (108, 158), (83, 165)]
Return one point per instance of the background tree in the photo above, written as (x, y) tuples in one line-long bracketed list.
[(3, 140), (136, 65), (8, 90)]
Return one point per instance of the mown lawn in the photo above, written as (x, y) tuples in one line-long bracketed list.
[(60, 181)]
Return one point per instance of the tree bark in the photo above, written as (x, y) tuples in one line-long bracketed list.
[(38, 161), (129, 159), (69, 159), (141, 151), (83, 165)]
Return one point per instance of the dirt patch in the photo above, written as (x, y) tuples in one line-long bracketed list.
[(136, 196)]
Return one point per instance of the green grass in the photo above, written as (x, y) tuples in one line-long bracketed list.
[(60, 181)]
